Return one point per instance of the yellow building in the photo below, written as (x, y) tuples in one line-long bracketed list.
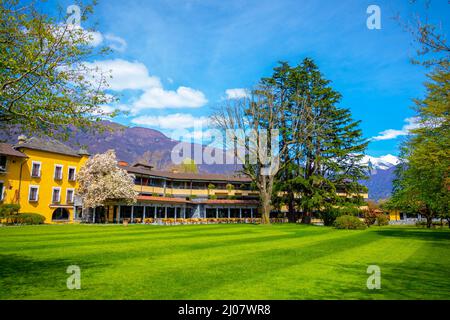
[(40, 176)]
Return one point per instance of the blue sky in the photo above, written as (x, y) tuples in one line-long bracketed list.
[(176, 59)]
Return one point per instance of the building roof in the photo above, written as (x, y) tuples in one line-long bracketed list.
[(209, 177), (8, 150), (47, 144), (182, 200)]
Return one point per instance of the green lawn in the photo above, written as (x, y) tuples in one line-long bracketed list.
[(223, 262)]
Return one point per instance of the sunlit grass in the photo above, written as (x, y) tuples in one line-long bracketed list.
[(223, 262)]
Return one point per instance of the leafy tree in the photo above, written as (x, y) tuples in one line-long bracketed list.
[(320, 145), (257, 117), (431, 44), (102, 182), (423, 183), (44, 83), (188, 165)]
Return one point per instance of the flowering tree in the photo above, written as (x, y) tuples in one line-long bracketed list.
[(102, 182)]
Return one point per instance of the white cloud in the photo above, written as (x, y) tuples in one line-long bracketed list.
[(115, 42), (94, 38), (126, 75), (236, 93), (172, 121), (411, 123), (134, 75), (157, 98)]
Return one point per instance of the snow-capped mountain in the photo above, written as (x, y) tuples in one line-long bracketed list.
[(382, 174), (381, 163)]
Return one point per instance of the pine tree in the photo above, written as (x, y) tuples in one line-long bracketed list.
[(325, 168)]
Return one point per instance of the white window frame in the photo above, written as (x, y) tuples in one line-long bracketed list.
[(74, 173), (53, 191), (73, 195), (40, 168), (2, 190), (37, 193), (62, 172)]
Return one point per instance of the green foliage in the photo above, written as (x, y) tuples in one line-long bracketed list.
[(7, 210), (382, 220), (211, 186), (212, 197), (45, 84), (422, 184), (329, 143), (29, 218), (351, 210), (25, 219), (349, 222), (188, 165), (330, 215), (370, 218)]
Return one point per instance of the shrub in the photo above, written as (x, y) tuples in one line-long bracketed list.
[(349, 222), (7, 210), (330, 215), (369, 218), (27, 218), (382, 220)]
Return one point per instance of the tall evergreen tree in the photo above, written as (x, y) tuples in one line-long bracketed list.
[(326, 168)]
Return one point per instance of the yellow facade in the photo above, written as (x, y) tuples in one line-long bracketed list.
[(394, 215), (18, 181)]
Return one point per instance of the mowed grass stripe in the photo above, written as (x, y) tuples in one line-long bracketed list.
[(221, 261)]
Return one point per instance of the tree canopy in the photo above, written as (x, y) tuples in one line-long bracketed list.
[(44, 83)]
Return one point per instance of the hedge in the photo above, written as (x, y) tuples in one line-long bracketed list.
[(349, 222)]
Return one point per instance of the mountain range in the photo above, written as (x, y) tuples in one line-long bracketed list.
[(138, 144)]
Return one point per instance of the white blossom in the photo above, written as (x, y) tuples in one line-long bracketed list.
[(101, 182)]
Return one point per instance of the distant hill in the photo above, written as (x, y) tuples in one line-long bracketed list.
[(153, 147), (380, 183), (132, 144)]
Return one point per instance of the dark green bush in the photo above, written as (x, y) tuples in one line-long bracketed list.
[(330, 215), (30, 218), (7, 210), (349, 222), (27, 218)]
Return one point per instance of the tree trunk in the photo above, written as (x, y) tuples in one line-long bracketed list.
[(265, 212), (291, 208), (429, 221)]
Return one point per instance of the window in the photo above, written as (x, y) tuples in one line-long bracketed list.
[(71, 173), (58, 172), (69, 196), (36, 169), (2, 163), (33, 194), (2, 190), (56, 194)]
